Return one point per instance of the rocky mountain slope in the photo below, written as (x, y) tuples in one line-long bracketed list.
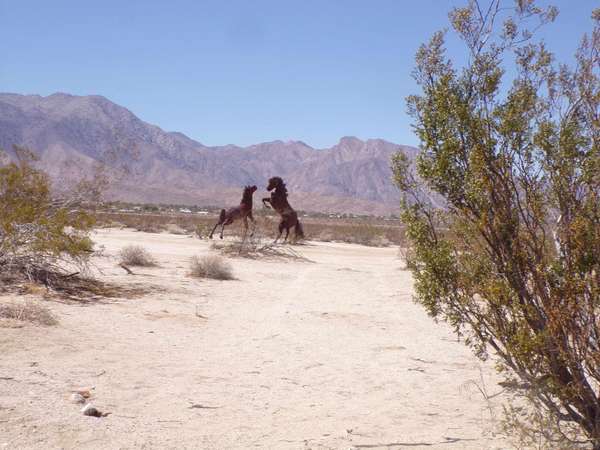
[(73, 134)]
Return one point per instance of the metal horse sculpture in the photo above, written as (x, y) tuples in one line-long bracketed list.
[(244, 211), (279, 202)]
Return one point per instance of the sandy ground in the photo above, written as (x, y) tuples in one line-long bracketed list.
[(327, 354)]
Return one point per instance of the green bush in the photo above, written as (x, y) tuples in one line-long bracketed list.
[(39, 237), (513, 261)]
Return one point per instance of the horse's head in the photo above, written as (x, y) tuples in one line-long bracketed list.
[(274, 183), (247, 195)]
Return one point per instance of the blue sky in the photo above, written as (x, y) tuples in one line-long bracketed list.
[(241, 71)]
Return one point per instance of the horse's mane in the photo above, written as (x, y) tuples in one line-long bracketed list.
[(247, 195), (280, 188)]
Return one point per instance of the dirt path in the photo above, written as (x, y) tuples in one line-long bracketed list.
[(328, 354)]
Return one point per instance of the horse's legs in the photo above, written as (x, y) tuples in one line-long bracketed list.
[(245, 228), (281, 227), (287, 233), (253, 223), (222, 228), (213, 230)]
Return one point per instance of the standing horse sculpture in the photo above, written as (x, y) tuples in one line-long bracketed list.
[(244, 211), (279, 202)]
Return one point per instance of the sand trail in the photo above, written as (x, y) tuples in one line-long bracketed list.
[(327, 354)]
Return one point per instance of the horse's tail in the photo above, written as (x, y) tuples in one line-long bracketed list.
[(222, 216), (298, 230)]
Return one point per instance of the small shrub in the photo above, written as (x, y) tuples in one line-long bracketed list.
[(28, 311), (135, 255), (211, 266), (256, 247), (201, 231), (41, 238)]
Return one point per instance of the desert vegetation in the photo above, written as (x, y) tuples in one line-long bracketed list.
[(372, 231), (41, 239), (257, 247), (513, 262), (136, 255), (45, 235), (26, 311), (211, 266)]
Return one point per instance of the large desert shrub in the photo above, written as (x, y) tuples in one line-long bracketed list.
[(513, 262), (39, 238)]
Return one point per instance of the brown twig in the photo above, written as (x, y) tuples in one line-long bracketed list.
[(127, 269), (70, 275)]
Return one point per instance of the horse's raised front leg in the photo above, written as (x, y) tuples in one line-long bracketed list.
[(265, 201), (213, 230)]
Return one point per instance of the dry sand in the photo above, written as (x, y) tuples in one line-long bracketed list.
[(327, 354)]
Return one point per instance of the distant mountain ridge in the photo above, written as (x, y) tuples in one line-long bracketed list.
[(73, 133)]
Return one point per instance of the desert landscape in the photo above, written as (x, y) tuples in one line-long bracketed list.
[(324, 350), (336, 225)]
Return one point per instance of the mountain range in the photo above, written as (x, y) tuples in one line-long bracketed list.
[(72, 135)]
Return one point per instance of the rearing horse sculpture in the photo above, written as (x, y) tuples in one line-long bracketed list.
[(244, 211), (279, 202)]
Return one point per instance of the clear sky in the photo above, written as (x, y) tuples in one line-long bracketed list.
[(240, 71)]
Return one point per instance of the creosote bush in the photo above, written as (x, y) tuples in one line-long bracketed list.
[(513, 261), (135, 255), (40, 238), (211, 266)]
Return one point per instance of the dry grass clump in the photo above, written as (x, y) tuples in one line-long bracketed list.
[(80, 289), (135, 255), (202, 230), (28, 311), (211, 266), (256, 247), (90, 290)]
